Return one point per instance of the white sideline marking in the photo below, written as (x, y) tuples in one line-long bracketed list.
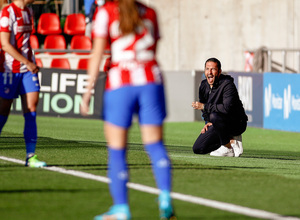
[(256, 213)]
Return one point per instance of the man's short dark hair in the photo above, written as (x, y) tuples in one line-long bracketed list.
[(215, 60)]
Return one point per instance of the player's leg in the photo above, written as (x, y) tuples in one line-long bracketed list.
[(117, 116), (151, 115), (7, 93), (117, 172), (30, 97), (5, 105), (152, 139), (161, 166)]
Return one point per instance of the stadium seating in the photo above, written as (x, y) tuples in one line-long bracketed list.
[(75, 24), (61, 63), (34, 42), (55, 42), (49, 23), (81, 42), (83, 64)]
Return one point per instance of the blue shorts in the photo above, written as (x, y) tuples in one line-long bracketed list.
[(14, 84), (148, 102)]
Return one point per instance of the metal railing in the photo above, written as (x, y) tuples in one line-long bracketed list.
[(47, 55), (282, 67)]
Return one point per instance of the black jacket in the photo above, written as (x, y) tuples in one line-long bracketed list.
[(222, 98)]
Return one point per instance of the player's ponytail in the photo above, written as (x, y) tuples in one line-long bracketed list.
[(129, 16)]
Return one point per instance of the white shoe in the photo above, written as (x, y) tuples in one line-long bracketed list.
[(237, 146), (223, 152)]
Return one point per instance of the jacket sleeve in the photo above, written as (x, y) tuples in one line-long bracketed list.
[(228, 98)]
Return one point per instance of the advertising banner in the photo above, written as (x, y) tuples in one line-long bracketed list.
[(282, 101), (250, 88), (61, 94)]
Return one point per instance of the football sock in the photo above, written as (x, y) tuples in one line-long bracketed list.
[(161, 165), (30, 132), (3, 120), (118, 174)]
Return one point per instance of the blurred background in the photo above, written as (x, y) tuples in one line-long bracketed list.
[(231, 30), (257, 42)]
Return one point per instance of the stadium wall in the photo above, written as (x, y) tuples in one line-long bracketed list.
[(194, 30)]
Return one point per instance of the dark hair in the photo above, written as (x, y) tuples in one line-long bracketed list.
[(215, 60)]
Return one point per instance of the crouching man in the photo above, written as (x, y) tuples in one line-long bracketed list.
[(223, 113)]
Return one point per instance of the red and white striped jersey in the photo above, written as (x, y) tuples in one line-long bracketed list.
[(19, 22), (133, 55)]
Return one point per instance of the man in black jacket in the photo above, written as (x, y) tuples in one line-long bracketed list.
[(223, 113)]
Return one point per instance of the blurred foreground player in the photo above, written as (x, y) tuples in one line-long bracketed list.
[(134, 86), (18, 72)]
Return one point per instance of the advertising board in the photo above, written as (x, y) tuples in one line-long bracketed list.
[(250, 88), (282, 101), (61, 93)]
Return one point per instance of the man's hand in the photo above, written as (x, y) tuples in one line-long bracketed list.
[(198, 105), (205, 128)]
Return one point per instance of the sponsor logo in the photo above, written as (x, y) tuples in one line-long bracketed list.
[(287, 102)]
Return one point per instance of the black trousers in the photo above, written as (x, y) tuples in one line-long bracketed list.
[(220, 133)]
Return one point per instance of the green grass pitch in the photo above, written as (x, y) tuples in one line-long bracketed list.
[(265, 177)]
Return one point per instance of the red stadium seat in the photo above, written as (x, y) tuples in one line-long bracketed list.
[(62, 63), (39, 62), (34, 42), (49, 23), (75, 24), (81, 42), (83, 64), (55, 42), (33, 29)]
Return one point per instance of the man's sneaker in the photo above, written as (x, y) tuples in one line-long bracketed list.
[(165, 206), (116, 212), (34, 162), (237, 146), (223, 152)]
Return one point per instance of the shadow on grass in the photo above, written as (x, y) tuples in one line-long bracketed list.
[(272, 155), (8, 143), (11, 142)]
